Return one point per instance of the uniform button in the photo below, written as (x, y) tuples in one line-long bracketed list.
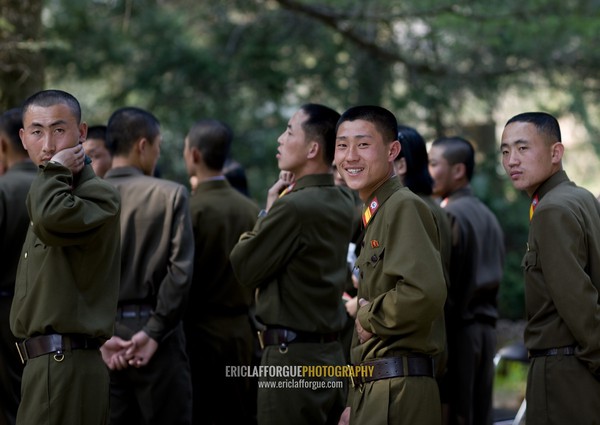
[(31, 223), (374, 258), (25, 254)]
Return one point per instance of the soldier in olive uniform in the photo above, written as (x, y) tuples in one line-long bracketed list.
[(219, 334), (150, 371), (68, 275), (296, 257), (402, 290), (476, 268), (412, 169), (14, 221), (562, 275)]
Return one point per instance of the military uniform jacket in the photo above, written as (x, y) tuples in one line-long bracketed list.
[(402, 277), (562, 271), (68, 274), (296, 256), (14, 221), (157, 248), (444, 231), (476, 261), (220, 214)]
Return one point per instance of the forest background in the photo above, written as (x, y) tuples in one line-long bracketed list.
[(443, 67)]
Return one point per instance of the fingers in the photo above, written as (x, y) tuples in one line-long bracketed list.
[(143, 349), (345, 417), (286, 176), (72, 158), (114, 353), (138, 362)]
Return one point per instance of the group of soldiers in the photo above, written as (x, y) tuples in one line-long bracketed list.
[(129, 296)]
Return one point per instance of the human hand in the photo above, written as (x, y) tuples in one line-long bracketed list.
[(352, 307), (363, 335), (285, 179), (143, 349), (345, 417), (114, 353), (354, 281), (72, 158)]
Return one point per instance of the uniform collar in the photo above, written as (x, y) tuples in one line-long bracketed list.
[(459, 193), (212, 184), (554, 180), (383, 192), (124, 172), (313, 180), (25, 165)]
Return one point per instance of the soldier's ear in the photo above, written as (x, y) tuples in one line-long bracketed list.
[(197, 156), (313, 149), (557, 152), (394, 150), (459, 171)]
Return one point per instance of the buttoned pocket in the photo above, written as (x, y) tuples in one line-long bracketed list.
[(371, 257)]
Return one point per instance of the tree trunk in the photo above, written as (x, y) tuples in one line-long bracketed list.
[(21, 58)]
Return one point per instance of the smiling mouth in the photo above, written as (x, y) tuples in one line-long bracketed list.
[(353, 171)]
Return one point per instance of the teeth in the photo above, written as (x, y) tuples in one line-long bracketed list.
[(353, 170)]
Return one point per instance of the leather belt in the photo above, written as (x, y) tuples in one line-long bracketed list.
[(55, 343), (568, 350), (282, 336), (394, 367), (133, 311)]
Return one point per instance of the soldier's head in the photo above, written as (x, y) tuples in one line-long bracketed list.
[(308, 143), (366, 147), (134, 136)]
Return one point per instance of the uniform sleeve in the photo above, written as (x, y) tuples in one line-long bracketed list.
[(563, 255), (262, 252), (174, 288), (61, 218), (413, 262)]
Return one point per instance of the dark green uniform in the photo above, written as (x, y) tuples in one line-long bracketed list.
[(67, 283), (157, 255), (445, 235), (296, 257), (14, 221), (217, 322), (562, 283), (402, 277), (476, 270)]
